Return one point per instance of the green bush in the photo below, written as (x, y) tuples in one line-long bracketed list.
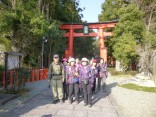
[(21, 76), (2, 68)]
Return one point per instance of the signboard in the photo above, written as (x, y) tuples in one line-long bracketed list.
[(13, 61)]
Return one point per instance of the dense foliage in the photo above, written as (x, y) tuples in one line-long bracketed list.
[(135, 33), (23, 23)]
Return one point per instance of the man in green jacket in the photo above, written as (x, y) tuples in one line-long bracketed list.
[(56, 78)]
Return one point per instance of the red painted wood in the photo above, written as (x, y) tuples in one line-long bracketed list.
[(32, 76), (71, 43), (91, 26), (41, 74), (45, 73), (90, 34), (3, 79)]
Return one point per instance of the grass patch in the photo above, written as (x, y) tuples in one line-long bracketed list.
[(139, 88), (113, 72)]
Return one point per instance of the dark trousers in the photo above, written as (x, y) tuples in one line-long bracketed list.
[(94, 85), (65, 90), (101, 82), (80, 92), (87, 92), (73, 90)]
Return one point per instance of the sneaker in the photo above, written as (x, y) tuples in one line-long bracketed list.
[(55, 101), (70, 102), (61, 101), (85, 104), (77, 102), (89, 105)]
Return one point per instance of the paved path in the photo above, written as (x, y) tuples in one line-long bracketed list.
[(131, 103), (34, 89), (117, 101), (41, 106)]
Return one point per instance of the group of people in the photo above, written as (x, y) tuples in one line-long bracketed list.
[(73, 78)]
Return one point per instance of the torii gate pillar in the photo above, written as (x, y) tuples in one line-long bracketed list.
[(71, 42), (102, 48)]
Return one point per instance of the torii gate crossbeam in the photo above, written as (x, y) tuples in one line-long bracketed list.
[(101, 34)]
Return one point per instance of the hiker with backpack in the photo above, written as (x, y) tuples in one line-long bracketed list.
[(56, 78)]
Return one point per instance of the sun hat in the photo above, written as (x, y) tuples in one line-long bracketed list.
[(71, 60), (84, 60)]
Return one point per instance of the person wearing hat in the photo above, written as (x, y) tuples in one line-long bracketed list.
[(72, 77), (65, 61), (56, 77), (65, 84), (78, 64), (95, 73), (102, 74), (86, 81)]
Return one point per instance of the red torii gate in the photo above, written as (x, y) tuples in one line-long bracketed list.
[(101, 34)]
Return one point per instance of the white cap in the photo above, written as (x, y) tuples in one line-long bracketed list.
[(71, 60), (84, 59)]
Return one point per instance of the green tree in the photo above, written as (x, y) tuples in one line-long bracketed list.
[(125, 49), (129, 30), (110, 8), (23, 23)]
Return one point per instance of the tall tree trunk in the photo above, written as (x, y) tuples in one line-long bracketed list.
[(47, 12), (149, 21), (39, 5), (13, 4)]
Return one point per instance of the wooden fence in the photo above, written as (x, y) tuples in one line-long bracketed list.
[(35, 75)]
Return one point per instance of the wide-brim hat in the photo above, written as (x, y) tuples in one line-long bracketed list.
[(84, 60), (71, 60)]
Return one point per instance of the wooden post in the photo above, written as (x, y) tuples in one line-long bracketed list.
[(71, 41), (103, 50)]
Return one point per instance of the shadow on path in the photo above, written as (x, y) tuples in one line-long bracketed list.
[(38, 101), (99, 95), (40, 104)]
